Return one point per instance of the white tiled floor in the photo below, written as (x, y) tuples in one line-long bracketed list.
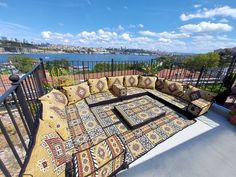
[(206, 148)]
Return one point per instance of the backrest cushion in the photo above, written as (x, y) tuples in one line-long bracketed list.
[(98, 85), (160, 84), (131, 81), (56, 117), (77, 92), (49, 156), (192, 93), (55, 97), (115, 80), (147, 82), (207, 95), (173, 88)]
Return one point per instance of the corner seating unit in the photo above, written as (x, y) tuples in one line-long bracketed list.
[(69, 135)]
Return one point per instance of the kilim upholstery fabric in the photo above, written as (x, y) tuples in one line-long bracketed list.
[(100, 97), (119, 90), (55, 97), (102, 159), (173, 88), (115, 80), (140, 110), (199, 107), (147, 82), (135, 91), (77, 92), (160, 84), (98, 85), (56, 117), (49, 155), (131, 81)]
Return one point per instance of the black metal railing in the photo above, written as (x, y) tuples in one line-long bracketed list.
[(20, 110), (60, 73)]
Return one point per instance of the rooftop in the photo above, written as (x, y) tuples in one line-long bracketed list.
[(205, 148)]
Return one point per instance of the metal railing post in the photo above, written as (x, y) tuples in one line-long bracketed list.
[(22, 102), (171, 66), (112, 67), (83, 70), (200, 75)]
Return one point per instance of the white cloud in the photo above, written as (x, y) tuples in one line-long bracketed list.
[(224, 11), (140, 25), (3, 4), (126, 36), (148, 33), (197, 5), (206, 27)]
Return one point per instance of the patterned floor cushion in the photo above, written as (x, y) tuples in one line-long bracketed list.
[(105, 115), (84, 127), (98, 85), (100, 97), (49, 155), (147, 82), (115, 80), (131, 81), (103, 159), (199, 107), (141, 140), (135, 90)]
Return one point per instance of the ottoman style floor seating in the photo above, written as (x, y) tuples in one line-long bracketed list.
[(99, 127)]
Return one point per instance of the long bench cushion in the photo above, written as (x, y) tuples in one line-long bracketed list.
[(99, 97), (49, 155), (135, 90), (179, 102), (77, 92), (84, 128), (119, 90), (103, 159), (55, 97), (199, 107)]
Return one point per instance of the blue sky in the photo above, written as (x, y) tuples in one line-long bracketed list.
[(168, 25)]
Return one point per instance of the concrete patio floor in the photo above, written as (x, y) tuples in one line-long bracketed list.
[(206, 148)]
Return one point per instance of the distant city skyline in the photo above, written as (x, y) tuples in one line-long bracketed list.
[(197, 26)]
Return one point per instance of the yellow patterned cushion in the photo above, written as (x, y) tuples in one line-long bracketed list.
[(98, 85), (77, 92), (48, 157), (160, 84), (173, 88), (131, 81), (115, 80), (56, 117), (193, 93), (55, 97), (147, 82)]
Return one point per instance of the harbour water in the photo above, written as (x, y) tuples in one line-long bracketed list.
[(83, 57)]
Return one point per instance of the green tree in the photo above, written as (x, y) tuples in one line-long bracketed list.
[(208, 60), (22, 63)]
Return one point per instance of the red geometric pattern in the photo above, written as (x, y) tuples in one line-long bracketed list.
[(81, 92), (59, 97), (59, 111), (172, 87), (100, 85), (160, 84), (147, 82), (131, 80)]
